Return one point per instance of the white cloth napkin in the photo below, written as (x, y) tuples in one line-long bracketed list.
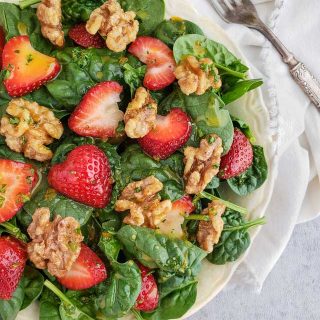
[(296, 195)]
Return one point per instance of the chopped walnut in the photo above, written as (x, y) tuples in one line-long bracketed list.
[(202, 164), (143, 201), (112, 22), (50, 16), (140, 117), (197, 76), (209, 232), (29, 127), (55, 245)]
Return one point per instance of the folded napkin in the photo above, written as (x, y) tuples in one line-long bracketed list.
[(292, 118)]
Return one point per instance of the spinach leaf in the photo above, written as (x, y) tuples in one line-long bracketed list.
[(149, 13), (6, 153), (133, 76), (158, 251), (9, 308), (123, 288), (207, 113), (109, 245), (254, 177), (239, 89), (136, 165), (169, 31), (200, 47), (10, 228), (234, 240), (49, 306)]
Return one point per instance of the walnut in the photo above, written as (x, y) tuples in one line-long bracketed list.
[(140, 116), (143, 201), (119, 27), (202, 164), (29, 127), (197, 76), (55, 245), (209, 232), (49, 15)]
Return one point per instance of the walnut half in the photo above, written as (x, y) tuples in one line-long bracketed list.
[(202, 164), (29, 127), (55, 245), (141, 198), (209, 232)]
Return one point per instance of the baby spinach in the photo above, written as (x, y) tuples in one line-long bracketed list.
[(254, 177), (234, 240), (207, 113), (123, 288), (200, 47), (133, 74), (49, 306), (109, 245), (169, 31), (149, 13), (158, 251), (10, 228)]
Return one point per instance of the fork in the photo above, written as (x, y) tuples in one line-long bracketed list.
[(244, 12)]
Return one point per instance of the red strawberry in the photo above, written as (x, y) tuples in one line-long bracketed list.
[(170, 133), (98, 114), (17, 180), (184, 205), (84, 176), (13, 258), (2, 43), (238, 159), (148, 298), (86, 272), (159, 60), (27, 69), (83, 38)]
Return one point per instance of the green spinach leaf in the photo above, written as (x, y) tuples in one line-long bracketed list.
[(109, 245)]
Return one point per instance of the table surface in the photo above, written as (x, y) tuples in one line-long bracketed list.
[(291, 292)]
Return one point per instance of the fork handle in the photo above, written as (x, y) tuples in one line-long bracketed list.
[(300, 73)]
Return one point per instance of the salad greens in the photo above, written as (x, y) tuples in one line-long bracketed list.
[(174, 262)]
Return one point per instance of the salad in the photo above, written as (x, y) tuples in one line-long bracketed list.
[(115, 144)]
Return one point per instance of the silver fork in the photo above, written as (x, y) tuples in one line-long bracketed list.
[(244, 12)]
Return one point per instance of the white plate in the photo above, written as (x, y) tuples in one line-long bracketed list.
[(250, 108)]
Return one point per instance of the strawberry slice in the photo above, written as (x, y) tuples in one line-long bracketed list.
[(98, 114), (171, 132), (87, 271), (159, 60), (13, 258), (172, 226), (148, 298), (83, 38), (85, 176), (2, 43), (17, 180), (27, 69), (238, 159)]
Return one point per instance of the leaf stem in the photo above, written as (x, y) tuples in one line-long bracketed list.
[(136, 314), (247, 225), (27, 3), (15, 231), (57, 291), (231, 72), (228, 204), (200, 217)]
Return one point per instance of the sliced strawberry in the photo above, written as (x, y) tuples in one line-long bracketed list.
[(13, 258), (159, 60), (172, 226), (86, 272), (2, 43), (83, 38), (98, 114), (238, 159), (170, 133), (27, 69), (16, 183), (85, 176), (148, 298)]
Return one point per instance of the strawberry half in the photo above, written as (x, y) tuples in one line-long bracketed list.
[(85, 176), (87, 271), (159, 60), (98, 114), (2, 43), (13, 258), (27, 68), (17, 180), (83, 38), (238, 159), (148, 298), (171, 132)]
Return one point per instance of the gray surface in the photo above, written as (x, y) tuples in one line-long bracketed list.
[(291, 292)]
